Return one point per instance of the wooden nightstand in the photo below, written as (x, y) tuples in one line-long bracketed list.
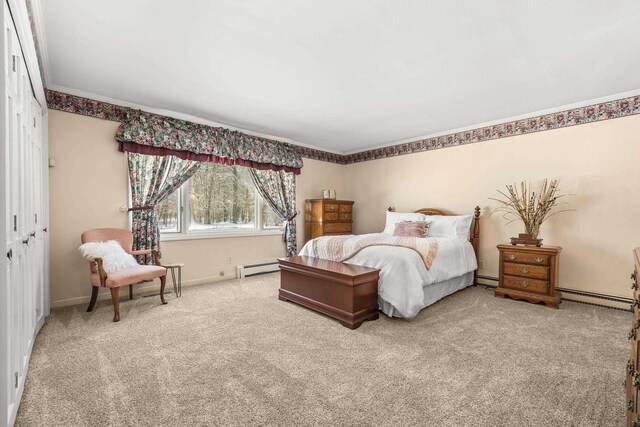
[(529, 273)]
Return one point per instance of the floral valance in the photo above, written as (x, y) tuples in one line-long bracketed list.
[(147, 133)]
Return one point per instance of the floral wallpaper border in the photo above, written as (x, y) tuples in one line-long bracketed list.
[(115, 113), (592, 113), (577, 116)]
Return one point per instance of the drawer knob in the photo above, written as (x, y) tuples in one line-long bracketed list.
[(525, 270), (524, 284), (512, 257), (539, 259)]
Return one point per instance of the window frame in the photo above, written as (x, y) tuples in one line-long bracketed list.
[(184, 218)]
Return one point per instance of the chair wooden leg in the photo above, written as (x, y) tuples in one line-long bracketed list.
[(94, 298), (130, 291), (116, 303), (163, 282)]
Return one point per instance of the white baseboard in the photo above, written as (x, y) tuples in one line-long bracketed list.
[(566, 296), (151, 287)]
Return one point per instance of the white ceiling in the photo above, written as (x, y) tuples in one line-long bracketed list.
[(344, 75)]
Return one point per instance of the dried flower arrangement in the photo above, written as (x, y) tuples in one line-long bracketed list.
[(531, 207)]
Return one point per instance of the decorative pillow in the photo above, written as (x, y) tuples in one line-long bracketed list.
[(449, 225), (114, 258), (394, 217), (411, 228)]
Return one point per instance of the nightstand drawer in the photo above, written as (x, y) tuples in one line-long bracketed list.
[(525, 258), (345, 216), (345, 208), (337, 228), (526, 270), (331, 207), (523, 284)]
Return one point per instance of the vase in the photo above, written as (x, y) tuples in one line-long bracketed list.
[(526, 239)]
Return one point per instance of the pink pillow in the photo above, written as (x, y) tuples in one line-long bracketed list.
[(411, 228)]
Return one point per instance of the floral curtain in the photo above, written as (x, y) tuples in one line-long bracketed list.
[(147, 133), (278, 189), (153, 179)]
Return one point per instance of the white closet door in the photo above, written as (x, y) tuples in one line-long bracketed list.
[(38, 211), (14, 156), (24, 175)]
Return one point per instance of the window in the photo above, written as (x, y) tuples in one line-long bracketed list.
[(167, 211), (217, 200)]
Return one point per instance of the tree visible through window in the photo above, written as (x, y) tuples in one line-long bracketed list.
[(221, 197), (217, 198), (167, 212)]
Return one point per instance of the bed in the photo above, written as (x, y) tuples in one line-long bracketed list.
[(406, 286)]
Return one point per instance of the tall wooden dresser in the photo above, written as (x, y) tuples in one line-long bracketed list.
[(327, 217), (633, 370)]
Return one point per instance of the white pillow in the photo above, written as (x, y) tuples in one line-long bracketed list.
[(114, 258), (449, 225), (394, 217)]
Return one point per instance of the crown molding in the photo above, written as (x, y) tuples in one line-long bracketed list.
[(181, 116), (105, 108), (40, 38), (553, 110), (588, 112), (21, 17), (605, 108)]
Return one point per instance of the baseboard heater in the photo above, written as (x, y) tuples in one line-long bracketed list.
[(614, 298), (256, 269)]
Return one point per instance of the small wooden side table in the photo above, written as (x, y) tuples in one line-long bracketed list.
[(177, 284), (529, 273)]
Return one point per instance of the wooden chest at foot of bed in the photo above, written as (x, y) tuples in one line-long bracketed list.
[(345, 292)]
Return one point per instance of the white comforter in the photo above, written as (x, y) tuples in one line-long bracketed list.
[(403, 274)]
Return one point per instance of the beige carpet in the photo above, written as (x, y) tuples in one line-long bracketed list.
[(233, 354)]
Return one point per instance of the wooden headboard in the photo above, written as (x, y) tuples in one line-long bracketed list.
[(474, 232)]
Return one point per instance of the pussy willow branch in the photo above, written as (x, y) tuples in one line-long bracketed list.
[(531, 207)]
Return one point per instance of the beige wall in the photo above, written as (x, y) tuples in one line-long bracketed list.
[(89, 183), (597, 162)]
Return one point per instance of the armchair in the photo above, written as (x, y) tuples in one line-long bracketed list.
[(127, 277)]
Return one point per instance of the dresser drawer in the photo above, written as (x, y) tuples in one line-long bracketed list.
[(524, 284), (345, 216), (337, 227), (526, 270), (345, 208), (331, 216), (331, 207), (525, 258)]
